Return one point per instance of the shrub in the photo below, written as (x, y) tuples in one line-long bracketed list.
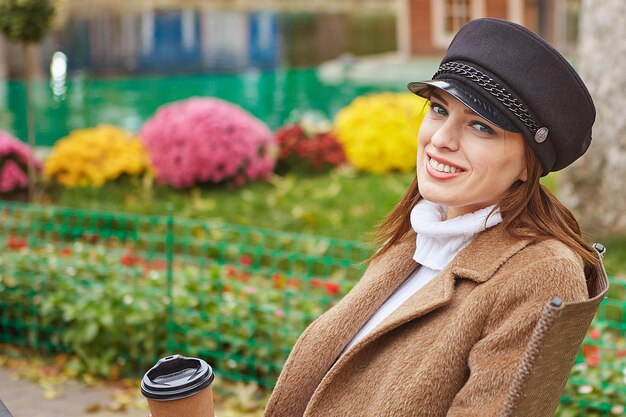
[(14, 159), (107, 303), (379, 131), (598, 377), (206, 140), (306, 151), (93, 156)]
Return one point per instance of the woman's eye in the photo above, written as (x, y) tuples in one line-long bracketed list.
[(438, 109), (483, 128)]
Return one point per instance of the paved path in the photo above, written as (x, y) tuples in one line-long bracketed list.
[(26, 399)]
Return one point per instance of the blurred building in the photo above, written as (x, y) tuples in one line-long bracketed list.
[(426, 27), (200, 36)]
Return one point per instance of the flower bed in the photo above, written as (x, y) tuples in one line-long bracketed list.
[(379, 131), (110, 305), (304, 151), (93, 156), (14, 159), (598, 379), (207, 140), (120, 291)]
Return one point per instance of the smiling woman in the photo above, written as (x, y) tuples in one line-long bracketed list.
[(439, 323), (466, 163)]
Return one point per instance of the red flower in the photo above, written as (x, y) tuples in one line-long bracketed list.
[(593, 361), (279, 281), (244, 277), (66, 251), (589, 350), (16, 242), (293, 283), (159, 265), (245, 260), (594, 334), (332, 288), (231, 271), (317, 152), (128, 260), (317, 283)]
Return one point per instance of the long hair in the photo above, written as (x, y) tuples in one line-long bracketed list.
[(529, 210)]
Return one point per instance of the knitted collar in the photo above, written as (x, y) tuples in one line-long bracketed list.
[(439, 240)]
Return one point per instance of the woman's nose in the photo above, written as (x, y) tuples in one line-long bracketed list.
[(447, 136)]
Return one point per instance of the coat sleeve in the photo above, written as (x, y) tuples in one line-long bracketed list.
[(519, 301)]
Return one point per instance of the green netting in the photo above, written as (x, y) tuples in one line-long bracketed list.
[(125, 289), (121, 290)]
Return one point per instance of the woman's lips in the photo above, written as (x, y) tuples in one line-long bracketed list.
[(440, 170)]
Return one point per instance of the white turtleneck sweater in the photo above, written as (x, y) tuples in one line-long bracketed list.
[(438, 241)]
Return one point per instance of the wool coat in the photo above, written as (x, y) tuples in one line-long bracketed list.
[(450, 350)]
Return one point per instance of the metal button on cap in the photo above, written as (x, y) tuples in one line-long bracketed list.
[(541, 135)]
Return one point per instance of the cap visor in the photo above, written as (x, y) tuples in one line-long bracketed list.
[(468, 97)]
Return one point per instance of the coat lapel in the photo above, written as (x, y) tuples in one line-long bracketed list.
[(479, 261), (377, 284)]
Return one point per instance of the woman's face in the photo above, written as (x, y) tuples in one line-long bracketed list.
[(463, 161)]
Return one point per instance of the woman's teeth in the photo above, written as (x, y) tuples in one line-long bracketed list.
[(443, 168)]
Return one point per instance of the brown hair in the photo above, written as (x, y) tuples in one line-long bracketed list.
[(529, 210)]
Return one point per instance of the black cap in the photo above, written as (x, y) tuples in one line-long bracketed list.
[(516, 80), (175, 377)]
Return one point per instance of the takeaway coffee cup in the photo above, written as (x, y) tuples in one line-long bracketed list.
[(179, 386)]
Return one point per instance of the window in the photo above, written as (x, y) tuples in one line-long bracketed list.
[(449, 15), (457, 14)]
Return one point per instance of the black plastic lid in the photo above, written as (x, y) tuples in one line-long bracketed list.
[(175, 377)]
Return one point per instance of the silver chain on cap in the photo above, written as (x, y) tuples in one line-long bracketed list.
[(496, 90)]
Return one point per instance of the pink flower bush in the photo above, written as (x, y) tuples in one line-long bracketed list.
[(201, 140), (14, 158)]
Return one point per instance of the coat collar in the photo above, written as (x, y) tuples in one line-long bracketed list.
[(486, 254), (479, 261)]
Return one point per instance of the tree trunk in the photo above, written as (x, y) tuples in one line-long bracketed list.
[(32, 72), (593, 187), (4, 67)]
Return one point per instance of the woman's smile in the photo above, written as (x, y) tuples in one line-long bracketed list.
[(442, 169)]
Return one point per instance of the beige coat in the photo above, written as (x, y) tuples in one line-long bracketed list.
[(449, 350)]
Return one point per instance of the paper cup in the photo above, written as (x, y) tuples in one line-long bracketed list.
[(179, 386)]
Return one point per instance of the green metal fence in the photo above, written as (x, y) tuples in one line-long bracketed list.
[(119, 291)]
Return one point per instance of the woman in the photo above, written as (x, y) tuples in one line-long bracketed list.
[(440, 319)]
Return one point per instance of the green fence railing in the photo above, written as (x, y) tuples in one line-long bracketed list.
[(118, 291)]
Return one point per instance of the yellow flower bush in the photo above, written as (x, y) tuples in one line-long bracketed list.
[(93, 156), (379, 131)]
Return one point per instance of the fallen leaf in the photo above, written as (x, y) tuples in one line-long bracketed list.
[(93, 408), (50, 394)]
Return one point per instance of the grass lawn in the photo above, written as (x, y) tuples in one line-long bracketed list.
[(343, 204)]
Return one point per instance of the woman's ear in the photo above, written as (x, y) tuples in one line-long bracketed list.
[(523, 176)]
